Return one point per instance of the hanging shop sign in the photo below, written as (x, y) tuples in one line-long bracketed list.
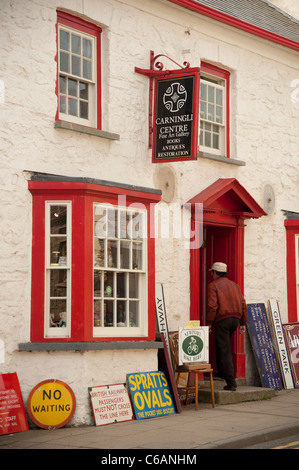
[(110, 404), (51, 404), (175, 124), (194, 345), (261, 341), (150, 394), (282, 353), (291, 333), (12, 411)]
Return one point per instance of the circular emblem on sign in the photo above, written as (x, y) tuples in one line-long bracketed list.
[(192, 345), (175, 97), (51, 404)]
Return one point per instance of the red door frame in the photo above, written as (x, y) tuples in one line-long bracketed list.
[(292, 229), (225, 204)]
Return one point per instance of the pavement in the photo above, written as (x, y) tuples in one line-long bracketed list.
[(234, 423)]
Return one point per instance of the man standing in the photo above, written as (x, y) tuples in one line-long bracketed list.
[(226, 310)]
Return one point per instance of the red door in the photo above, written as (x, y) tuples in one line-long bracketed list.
[(219, 245)]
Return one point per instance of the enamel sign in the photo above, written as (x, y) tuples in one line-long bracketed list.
[(110, 404), (51, 404), (285, 367), (12, 411), (150, 394)]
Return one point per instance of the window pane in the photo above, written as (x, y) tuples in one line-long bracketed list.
[(58, 284), (211, 112), (215, 141), (72, 86), (125, 255), (64, 40), (112, 254), (133, 313), (121, 313), (83, 110), (58, 219), (208, 139), (99, 253), (73, 107), (203, 110), (108, 312), (133, 286), (76, 65), (62, 104), (137, 256), (58, 251), (64, 62), (121, 285), (219, 114), (211, 98), (83, 87), (62, 84), (76, 44), (87, 48), (87, 69), (57, 313), (203, 92), (97, 283), (219, 94), (108, 284), (97, 312)]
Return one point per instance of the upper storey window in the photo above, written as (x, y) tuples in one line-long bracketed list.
[(79, 79), (214, 110)]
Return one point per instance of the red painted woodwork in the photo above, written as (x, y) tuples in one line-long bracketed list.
[(292, 229), (226, 204), (82, 195), (193, 5)]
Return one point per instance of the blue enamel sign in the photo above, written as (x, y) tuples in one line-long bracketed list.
[(260, 337), (150, 394)]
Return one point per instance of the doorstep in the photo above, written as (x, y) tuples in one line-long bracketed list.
[(242, 394)]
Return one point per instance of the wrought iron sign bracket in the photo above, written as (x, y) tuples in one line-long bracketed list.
[(157, 70)]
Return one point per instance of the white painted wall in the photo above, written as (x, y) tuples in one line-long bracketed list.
[(264, 135)]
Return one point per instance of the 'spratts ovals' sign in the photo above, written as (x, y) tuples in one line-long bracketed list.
[(51, 404)]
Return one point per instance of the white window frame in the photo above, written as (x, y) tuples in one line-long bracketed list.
[(91, 83), (65, 264), (220, 84), (130, 326)]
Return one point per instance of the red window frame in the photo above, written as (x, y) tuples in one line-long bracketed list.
[(81, 25), (82, 196), (210, 69), (292, 229)]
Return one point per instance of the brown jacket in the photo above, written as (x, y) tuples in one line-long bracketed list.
[(225, 300)]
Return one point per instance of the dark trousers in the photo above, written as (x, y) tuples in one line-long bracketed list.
[(224, 330)]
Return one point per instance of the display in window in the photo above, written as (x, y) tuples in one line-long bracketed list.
[(57, 313), (97, 308)]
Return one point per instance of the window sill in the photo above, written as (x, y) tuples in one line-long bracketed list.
[(90, 345), (218, 158), (85, 130)]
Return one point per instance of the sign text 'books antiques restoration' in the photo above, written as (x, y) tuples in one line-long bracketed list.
[(110, 404), (175, 133), (264, 353), (51, 404), (150, 394), (12, 411)]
